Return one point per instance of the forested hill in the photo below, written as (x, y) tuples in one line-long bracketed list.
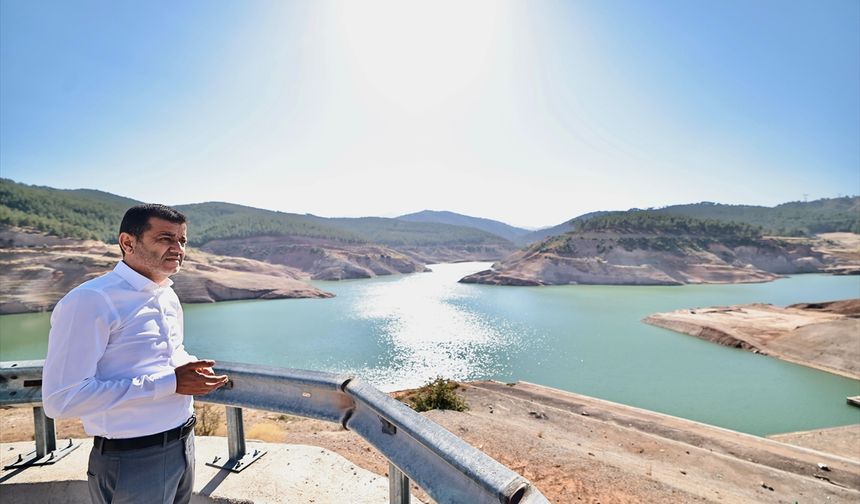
[(562, 228), (506, 231), (650, 248), (216, 220), (395, 232), (89, 214), (650, 230), (789, 219), (82, 213)]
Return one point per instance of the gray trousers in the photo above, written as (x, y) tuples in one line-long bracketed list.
[(158, 474)]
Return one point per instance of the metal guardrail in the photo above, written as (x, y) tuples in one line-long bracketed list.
[(443, 465)]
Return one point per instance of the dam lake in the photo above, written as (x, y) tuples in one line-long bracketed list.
[(402, 331)]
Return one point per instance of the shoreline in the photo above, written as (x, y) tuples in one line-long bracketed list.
[(823, 336), (311, 291)]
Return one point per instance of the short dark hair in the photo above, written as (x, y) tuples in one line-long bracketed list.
[(136, 219)]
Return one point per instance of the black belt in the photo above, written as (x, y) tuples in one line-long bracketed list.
[(162, 438)]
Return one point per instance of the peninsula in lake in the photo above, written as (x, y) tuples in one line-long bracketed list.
[(645, 247), (822, 335)]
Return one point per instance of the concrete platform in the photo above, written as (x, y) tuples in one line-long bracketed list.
[(287, 473)]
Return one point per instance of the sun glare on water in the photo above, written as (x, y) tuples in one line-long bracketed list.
[(431, 330)]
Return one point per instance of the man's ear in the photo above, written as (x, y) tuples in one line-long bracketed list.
[(127, 243)]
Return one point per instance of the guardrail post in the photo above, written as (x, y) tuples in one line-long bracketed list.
[(46, 443), (235, 433), (237, 460), (46, 435), (398, 485)]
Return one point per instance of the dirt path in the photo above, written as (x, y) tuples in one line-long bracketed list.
[(576, 449)]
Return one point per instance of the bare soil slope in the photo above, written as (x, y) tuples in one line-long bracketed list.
[(319, 259), (843, 248), (610, 259)]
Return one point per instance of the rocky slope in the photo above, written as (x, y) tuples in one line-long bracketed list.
[(842, 251), (37, 270), (433, 254), (319, 259), (642, 259)]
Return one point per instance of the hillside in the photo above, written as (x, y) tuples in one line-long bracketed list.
[(322, 248), (564, 227), (221, 221), (81, 214), (829, 215), (649, 248), (90, 214), (37, 270), (319, 260), (506, 231), (788, 219)]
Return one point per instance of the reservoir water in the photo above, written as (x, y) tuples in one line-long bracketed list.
[(401, 331)]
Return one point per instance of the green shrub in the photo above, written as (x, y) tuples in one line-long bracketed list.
[(438, 394)]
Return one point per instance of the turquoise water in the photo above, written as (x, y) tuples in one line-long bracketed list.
[(401, 331)]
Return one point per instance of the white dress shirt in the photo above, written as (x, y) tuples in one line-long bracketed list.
[(114, 343)]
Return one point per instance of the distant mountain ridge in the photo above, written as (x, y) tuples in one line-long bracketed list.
[(511, 233), (92, 214), (321, 248)]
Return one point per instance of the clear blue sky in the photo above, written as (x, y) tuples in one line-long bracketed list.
[(526, 112)]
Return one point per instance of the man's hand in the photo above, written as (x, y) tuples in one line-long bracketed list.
[(198, 378)]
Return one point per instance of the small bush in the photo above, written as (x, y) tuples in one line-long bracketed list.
[(208, 419), (438, 394)]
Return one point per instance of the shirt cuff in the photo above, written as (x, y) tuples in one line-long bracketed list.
[(165, 383)]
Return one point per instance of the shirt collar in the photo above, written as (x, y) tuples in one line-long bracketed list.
[(138, 282)]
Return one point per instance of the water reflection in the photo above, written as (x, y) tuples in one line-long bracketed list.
[(430, 329)]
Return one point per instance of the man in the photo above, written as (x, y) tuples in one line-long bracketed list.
[(116, 360)]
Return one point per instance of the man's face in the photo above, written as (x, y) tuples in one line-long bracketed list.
[(159, 253)]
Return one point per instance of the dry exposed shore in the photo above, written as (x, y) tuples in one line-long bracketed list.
[(576, 448), (37, 270), (824, 336), (595, 258)]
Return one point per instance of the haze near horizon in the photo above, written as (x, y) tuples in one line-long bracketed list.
[(525, 113)]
